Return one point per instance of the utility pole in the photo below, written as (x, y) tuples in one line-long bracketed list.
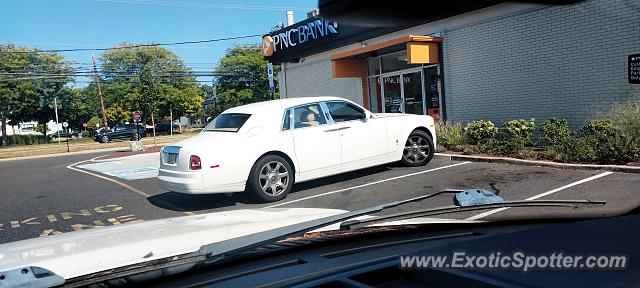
[(55, 107), (95, 72), (171, 122)]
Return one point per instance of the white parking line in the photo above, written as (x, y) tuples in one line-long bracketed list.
[(369, 184), (485, 214), (130, 188)]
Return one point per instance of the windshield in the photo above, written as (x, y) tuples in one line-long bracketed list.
[(115, 114), (228, 122)]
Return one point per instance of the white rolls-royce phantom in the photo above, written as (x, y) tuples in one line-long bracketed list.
[(264, 148)]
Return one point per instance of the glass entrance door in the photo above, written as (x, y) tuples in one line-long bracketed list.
[(403, 93), (392, 93), (412, 93)]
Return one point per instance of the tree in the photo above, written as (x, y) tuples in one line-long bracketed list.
[(29, 80), (149, 79), (76, 106), (244, 78)]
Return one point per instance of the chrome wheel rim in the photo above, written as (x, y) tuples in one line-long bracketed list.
[(105, 139), (274, 178), (416, 149), (136, 137)]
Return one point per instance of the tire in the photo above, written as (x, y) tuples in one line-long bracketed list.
[(271, 178), (418, 149), (104, 139), (135, 136)]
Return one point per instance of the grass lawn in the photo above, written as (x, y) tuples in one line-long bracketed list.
[(83, 144)]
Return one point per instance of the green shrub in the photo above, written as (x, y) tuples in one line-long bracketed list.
[(556, 132), (558, 138), (520, 130), (511, 139), (506, 144), (479, 131), (27, 139), (626, 117), (450, 134), (601, 141), (85, 134)]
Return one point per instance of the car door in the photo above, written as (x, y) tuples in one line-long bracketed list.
[(363, 139), (119, 132), (317, 146)]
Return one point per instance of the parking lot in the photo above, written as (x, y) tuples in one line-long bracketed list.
[(46, 196)]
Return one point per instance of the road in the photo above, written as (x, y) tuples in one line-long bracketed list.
[(46, 196)]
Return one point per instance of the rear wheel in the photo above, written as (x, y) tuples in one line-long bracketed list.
[(418, 150), (271, 178), (135, 136)]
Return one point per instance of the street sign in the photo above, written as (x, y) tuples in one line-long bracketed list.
[(65, 124), (270, 74), (136, 116), (84, 125)]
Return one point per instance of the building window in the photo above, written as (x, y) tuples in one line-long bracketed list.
[(395, 62), (373, 66)]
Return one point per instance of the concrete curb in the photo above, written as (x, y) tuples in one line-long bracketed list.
[(89, 150), (62, 154), (506, 160)]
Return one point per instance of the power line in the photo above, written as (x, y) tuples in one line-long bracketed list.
[(140, 45), (206, 5)]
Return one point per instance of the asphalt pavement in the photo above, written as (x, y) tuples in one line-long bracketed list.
[(46, 196)]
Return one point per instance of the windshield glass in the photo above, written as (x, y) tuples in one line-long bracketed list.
[(244, 116), (228, 122)]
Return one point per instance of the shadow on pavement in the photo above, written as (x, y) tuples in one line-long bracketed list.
[(189, 202), (193, 202), (341, 178)]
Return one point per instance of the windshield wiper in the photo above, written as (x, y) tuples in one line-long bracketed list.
[(226, 248), (354, 224), (467, 200)]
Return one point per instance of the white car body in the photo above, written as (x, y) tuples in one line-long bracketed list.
[(314, 152), (79, 253), (82, 252)]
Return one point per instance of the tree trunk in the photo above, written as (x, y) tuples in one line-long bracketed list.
[(4, 131), (153, 123)]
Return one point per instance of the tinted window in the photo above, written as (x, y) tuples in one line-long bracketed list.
[(343, 111), (308, 116), (227, 122), (286, 121)]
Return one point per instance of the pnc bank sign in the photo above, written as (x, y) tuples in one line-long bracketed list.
[(297, 35)]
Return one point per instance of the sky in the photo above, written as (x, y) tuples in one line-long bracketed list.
[(65, 24)]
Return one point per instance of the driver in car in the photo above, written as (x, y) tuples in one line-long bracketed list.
[(309, 118)]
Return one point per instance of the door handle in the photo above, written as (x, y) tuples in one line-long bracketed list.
[(337, 129)]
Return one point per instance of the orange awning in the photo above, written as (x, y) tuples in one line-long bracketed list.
[(420, 50), (417, 44)]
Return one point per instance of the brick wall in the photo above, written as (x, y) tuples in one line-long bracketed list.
[(563, 61), (315, 79)]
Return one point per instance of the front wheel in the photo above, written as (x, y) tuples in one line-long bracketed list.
[(271, 178), (135, 136), (104, 139), (418, 150)]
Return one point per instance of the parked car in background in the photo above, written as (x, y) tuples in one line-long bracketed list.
[(267, 146), (63, 134), (121, 131), (163, 127)]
